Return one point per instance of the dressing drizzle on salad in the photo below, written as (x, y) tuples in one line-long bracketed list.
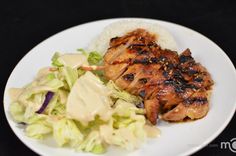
[(71, 102), (88, 98)]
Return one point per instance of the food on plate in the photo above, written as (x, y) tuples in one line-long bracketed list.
[(139, 61), (120, 28), (174, 84), (90, 100), (78, 108)]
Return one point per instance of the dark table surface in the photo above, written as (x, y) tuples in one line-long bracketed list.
[(24, 24)]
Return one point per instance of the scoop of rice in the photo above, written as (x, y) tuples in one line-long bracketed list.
[(101, 42)]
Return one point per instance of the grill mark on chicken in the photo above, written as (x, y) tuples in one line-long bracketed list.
[(180, 85), (184, 58), (194, 107), (165, 80), (142, 93), (198, 79), (144, 61), (117, 52), (143, 80), (129, 77), (198, 100)]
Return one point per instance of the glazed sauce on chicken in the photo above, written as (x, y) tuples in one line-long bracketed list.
[(173, 85)]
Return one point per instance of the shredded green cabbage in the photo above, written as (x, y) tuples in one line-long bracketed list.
[(69, 74), (94, 58), (65, 132), (123, 128), (55, 61), (17, 111), (117, 93), (90, 142), (81, 72), (38, 127)]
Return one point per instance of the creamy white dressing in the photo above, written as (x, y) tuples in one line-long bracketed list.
[(152, 131), (121, 137), (106, 133), (132, 141), (73, 60), (26, 93), (94, 67), (88, 97), (14, 93)]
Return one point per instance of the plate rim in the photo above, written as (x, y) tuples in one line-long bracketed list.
[(188, 152)]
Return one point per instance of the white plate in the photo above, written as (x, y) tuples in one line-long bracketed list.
[(176, 139)]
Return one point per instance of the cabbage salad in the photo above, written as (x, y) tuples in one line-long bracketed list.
[(72, 102)]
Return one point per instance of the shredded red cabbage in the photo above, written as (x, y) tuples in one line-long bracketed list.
[(48, 98)]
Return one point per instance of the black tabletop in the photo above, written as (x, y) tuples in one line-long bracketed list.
[(24, 24)]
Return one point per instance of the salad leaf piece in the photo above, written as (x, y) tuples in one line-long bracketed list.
[(36, 88), (91, 126), (124, 108), (48, 97), (14, 93), (52, 104), (30, 110), (100, 74), (92, 143), (73, 60), (120, 122), (125, 113), (59, 110), (79, 109), (17, 111), (36, 118), (89, 97), (126, 129), (55, 61), (38, 126), (98, 149), (57, 107), (51, 76), (33, 95), (38, 130), (81, 72), (65, 132), (94, 58), (63, 94), (70, 75), (117, 93), (54, 84), (44, 79)]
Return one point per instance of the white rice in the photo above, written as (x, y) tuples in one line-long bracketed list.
[(101, 42)]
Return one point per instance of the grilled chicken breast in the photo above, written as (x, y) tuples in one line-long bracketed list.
[(172, 85)]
